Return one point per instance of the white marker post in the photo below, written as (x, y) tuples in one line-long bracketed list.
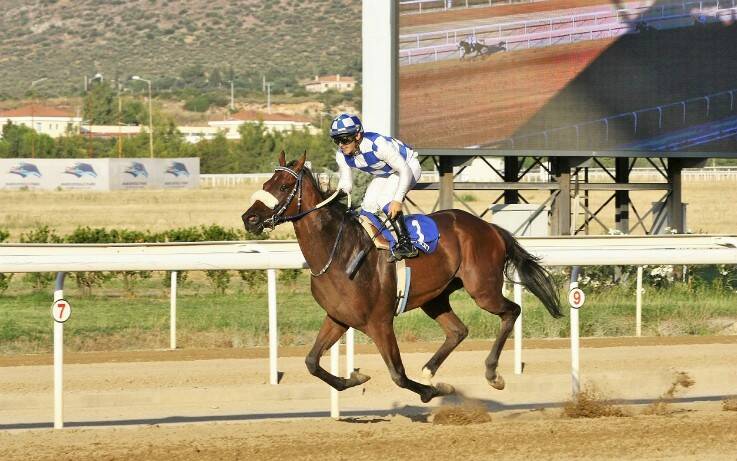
[(350, 351), (273, 330), (173, 312), (518, 326), (61, 310), (638, 302), (335, 371), (576, 298)]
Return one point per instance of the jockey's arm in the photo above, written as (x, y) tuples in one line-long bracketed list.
[(345, 182)]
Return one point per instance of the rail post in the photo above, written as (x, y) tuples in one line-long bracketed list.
[(59, 357)]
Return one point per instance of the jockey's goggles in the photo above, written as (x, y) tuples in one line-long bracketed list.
[(344, 139)]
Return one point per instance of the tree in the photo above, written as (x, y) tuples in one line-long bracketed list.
[(100, 105)]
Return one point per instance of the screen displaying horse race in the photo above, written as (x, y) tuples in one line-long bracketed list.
[(574, 75)]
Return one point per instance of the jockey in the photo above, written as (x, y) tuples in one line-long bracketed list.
[(393, 164)]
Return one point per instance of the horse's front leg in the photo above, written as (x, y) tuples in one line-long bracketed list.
[(386, 342), (330, 332)]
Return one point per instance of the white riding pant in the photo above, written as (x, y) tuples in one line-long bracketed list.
[(381, 191)]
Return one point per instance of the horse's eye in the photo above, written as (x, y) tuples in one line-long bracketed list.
[(284, 187)]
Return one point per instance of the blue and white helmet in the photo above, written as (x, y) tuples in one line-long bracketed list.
[(345, 124)]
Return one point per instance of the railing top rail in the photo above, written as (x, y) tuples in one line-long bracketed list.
[(555, 251)]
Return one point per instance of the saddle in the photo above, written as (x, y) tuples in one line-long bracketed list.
[(423, 233)]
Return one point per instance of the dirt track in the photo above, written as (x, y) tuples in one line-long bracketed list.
[(208, 408), (453, 103)]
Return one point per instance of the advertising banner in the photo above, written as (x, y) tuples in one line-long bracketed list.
[(100, 174), (81, 174)]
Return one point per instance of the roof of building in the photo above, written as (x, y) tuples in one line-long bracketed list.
[(253, 116), (37, 110)]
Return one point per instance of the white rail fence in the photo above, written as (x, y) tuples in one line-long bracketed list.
[(726, 173), (271, 255), (434, 6)]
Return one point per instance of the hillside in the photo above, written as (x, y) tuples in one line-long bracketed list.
[(167, 40)]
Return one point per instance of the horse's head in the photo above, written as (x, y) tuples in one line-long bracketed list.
[(280, 196)]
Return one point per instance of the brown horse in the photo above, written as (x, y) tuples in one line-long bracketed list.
[(471, 254)]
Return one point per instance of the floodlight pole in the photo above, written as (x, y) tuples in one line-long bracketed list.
[(150, 116)]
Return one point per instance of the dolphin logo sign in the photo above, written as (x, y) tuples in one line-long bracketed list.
[(81, 169), (137, 169), (177, 169), (25, 170)]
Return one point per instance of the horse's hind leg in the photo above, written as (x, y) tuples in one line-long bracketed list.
[(455, 331), (508, 311), (330, 332), (386, 342)]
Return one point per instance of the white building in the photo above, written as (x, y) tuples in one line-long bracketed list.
[(45, 120), (272, 122), (323, 83), (195, 134)]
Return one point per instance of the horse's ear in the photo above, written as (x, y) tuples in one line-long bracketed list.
[(300, 162), (282, 161)]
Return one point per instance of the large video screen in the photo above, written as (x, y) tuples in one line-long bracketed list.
[(574, 75)]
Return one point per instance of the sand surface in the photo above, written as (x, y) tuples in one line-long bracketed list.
[(159, 405)]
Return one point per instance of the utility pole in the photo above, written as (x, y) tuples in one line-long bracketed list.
[(120, 109), (87, 82), (268, 97), (232, 102), (150, 116), (33, 109)]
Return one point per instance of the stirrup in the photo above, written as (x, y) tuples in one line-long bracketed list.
[(402, 251)]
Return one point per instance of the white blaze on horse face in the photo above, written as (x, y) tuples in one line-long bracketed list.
[(264, 197)]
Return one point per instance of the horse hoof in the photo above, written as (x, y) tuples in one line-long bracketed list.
[(427, 376), (444, 389), (357, 378), (497, 383)]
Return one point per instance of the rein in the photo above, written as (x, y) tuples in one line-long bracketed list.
[(278, 218)]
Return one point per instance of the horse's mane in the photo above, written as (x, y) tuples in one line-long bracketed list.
[(335, 204)]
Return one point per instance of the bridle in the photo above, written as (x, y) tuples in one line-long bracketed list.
[(278, 216), (272, 202)]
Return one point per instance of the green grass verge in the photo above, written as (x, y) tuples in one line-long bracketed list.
[(111, 320)]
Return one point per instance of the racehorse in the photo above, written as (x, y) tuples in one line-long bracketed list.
[(471, 254), (480, 49)]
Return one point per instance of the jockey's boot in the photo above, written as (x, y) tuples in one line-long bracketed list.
[(404, 248)]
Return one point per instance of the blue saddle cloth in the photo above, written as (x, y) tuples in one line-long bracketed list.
[(422, 231)]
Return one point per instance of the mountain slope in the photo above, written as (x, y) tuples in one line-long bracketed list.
[(65, 40)]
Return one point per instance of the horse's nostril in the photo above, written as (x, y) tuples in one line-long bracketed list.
[(253, 219)]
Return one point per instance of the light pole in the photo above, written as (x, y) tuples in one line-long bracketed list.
[(232, 103), (150, 116), (87, 83), (268, 97), (33, 126)]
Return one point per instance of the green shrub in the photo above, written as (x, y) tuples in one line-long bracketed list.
[(40, 234), (4, 278)]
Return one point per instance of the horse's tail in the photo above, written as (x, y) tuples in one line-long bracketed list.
[(532, 275)]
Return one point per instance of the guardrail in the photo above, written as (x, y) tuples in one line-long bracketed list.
[(270, 255), (718, 173), (661, 118), (430, 6)]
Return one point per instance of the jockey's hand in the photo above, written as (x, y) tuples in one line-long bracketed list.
[(394, 208)]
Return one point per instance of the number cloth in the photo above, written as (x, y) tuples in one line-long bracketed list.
[(423, 232)]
